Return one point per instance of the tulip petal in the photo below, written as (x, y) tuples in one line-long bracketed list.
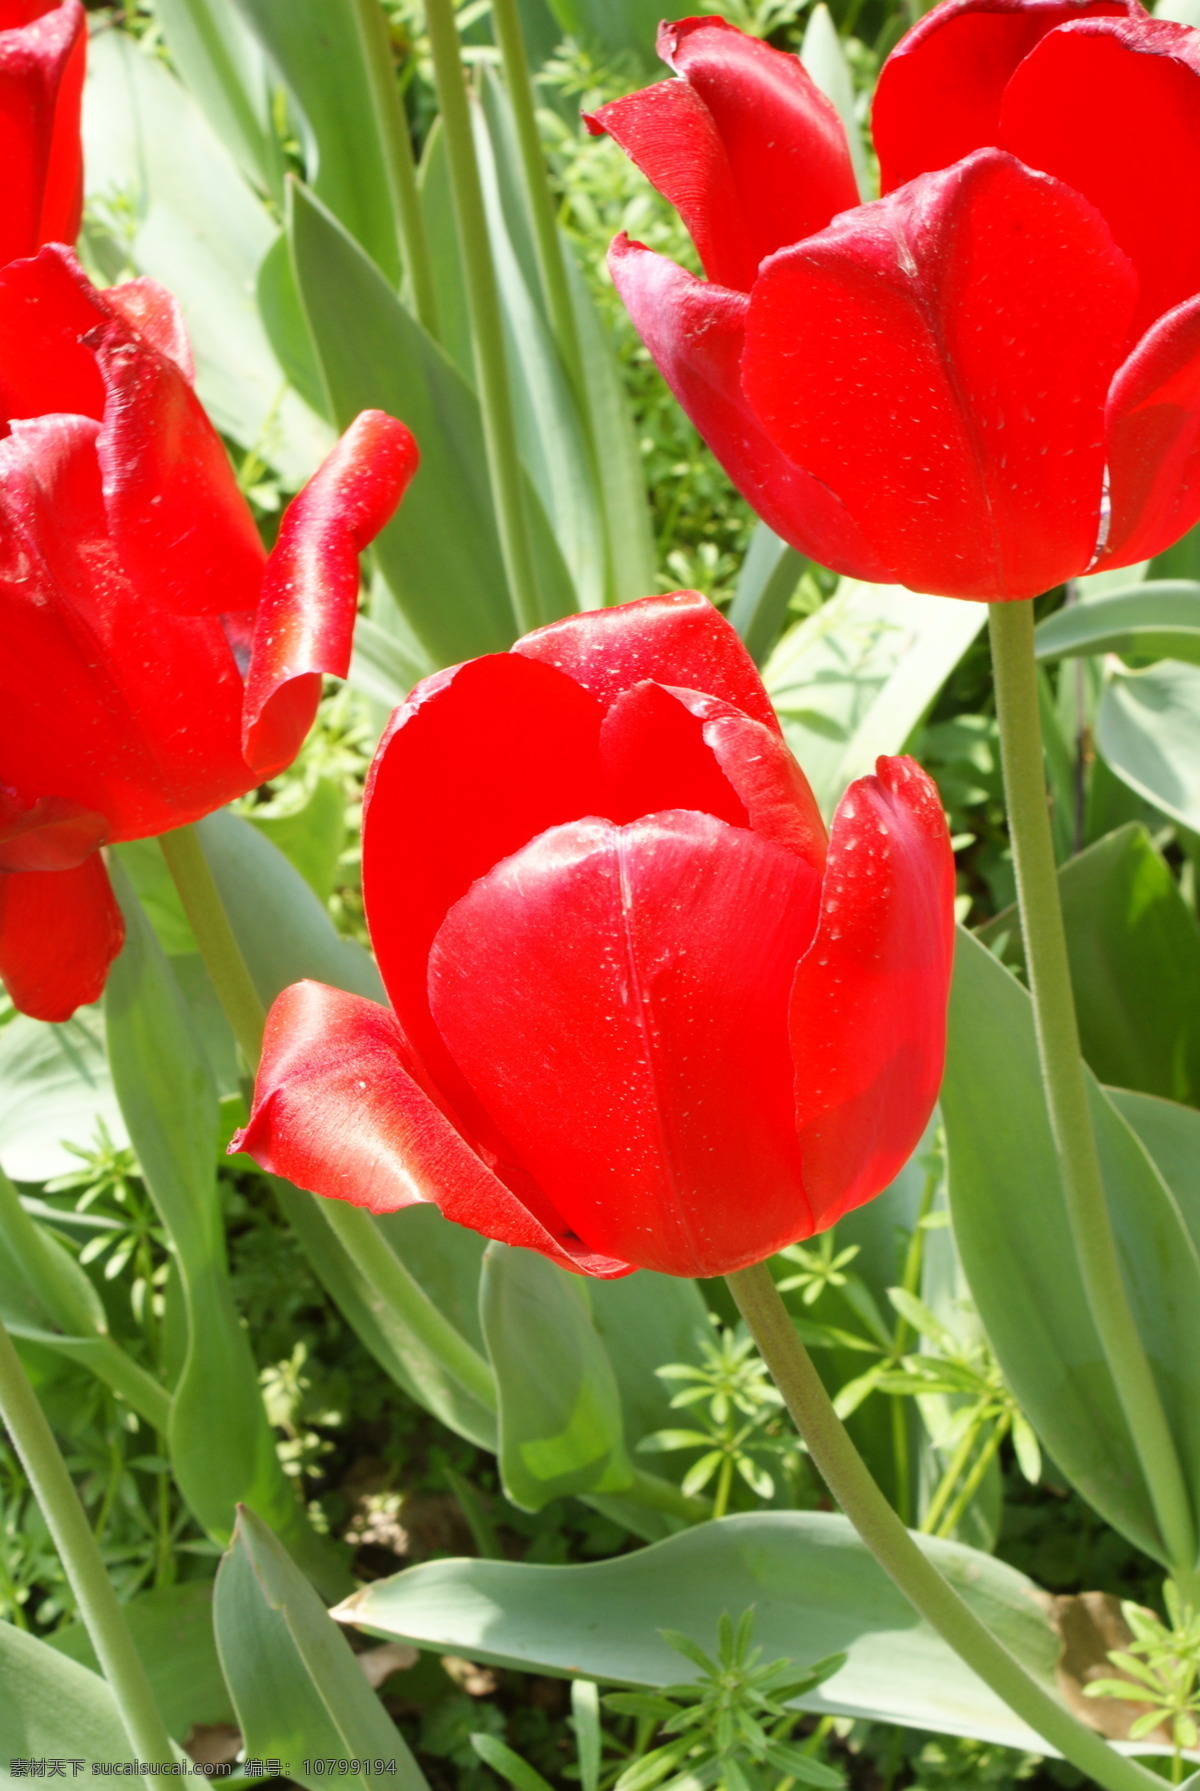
[(868, 1009), (1112, 107), (47, 834), (337, 1111), (48, 300), (664, 749), (133, 713), (940, 90), (941, 359), (153, 313), (1154, 440), (184, 531), (675, 639), (617, 999), (305, 622), (695, 332), (479, 760), (41, 87), (59, 932)]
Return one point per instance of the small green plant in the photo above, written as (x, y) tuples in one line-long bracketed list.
[(1161, 1666), (741, 1420), (819, 1268), (728, 1729)]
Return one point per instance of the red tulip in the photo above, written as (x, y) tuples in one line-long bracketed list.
[(985, 382), (156, 662), (643, 1013), (42, 53)]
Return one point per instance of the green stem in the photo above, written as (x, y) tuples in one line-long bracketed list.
[(398, 166), (80, 1555), (724, 1485), (950, 1479), (483, 304), (849, 1480), (974, 1479), (551, 263), (1018, 709), (219, 948)]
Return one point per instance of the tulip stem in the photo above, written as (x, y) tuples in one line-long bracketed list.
[(1015, 674), (79, 1552), (897, 1551), (483, 304), (218, 944)]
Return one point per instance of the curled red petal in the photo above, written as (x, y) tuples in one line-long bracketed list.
[(617, 999), (42, 57), (940, 90), (664, 748), (133, 713), (59, 932), (337, 1110), (1153, 431), (868, 1009), (941, 359), (47, 307), (480, 759), (305, 621), (50, 833), (1112, 107), (184, 531), (695, 332), (675, 639), (669, 133), (150, 311)]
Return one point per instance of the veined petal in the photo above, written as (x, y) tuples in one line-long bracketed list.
[(695, 332), (940, 90), (941, 359), (868, 1009), (616, 997), (59, 932), (338, 1111), (1153, 430), (305, 621)]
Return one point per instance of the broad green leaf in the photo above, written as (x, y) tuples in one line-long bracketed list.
[(1171, 1133), (441, 232), (770, 573), (165, 189), (172, 1628), (383, 667), (560, 1410), (55, 1089), (822, 54), (224, 70), (510, 1766), (853, 680), (296, 1685), (646, 1321), (1159, 619), (334, 57), (1148, 730), (815, 1591), (1013, 1235), (448, 580), (1135, 964), (221, 1445), (286, 326), (622, 27), (312, 837), (51, 1707)]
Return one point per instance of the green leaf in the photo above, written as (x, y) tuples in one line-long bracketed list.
[(770, 573), (297, 1687), (1135, 964), (162, 178), (589, 1739), (1012, 1232), (221, 1445), (815, 1588), (1148, 731), (560, 1410), (380, 666), (1159, 619), (646, 1321), (54, 1707), (853, 680), (510, 1766), (312, 837), (1171, 1133), (223, 68), (338, 71), (172, 1628), (55, 1089), (448, 581), (823, 56)]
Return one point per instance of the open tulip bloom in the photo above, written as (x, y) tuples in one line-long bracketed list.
[(988, 380), (157, 662), (644, 1014)]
